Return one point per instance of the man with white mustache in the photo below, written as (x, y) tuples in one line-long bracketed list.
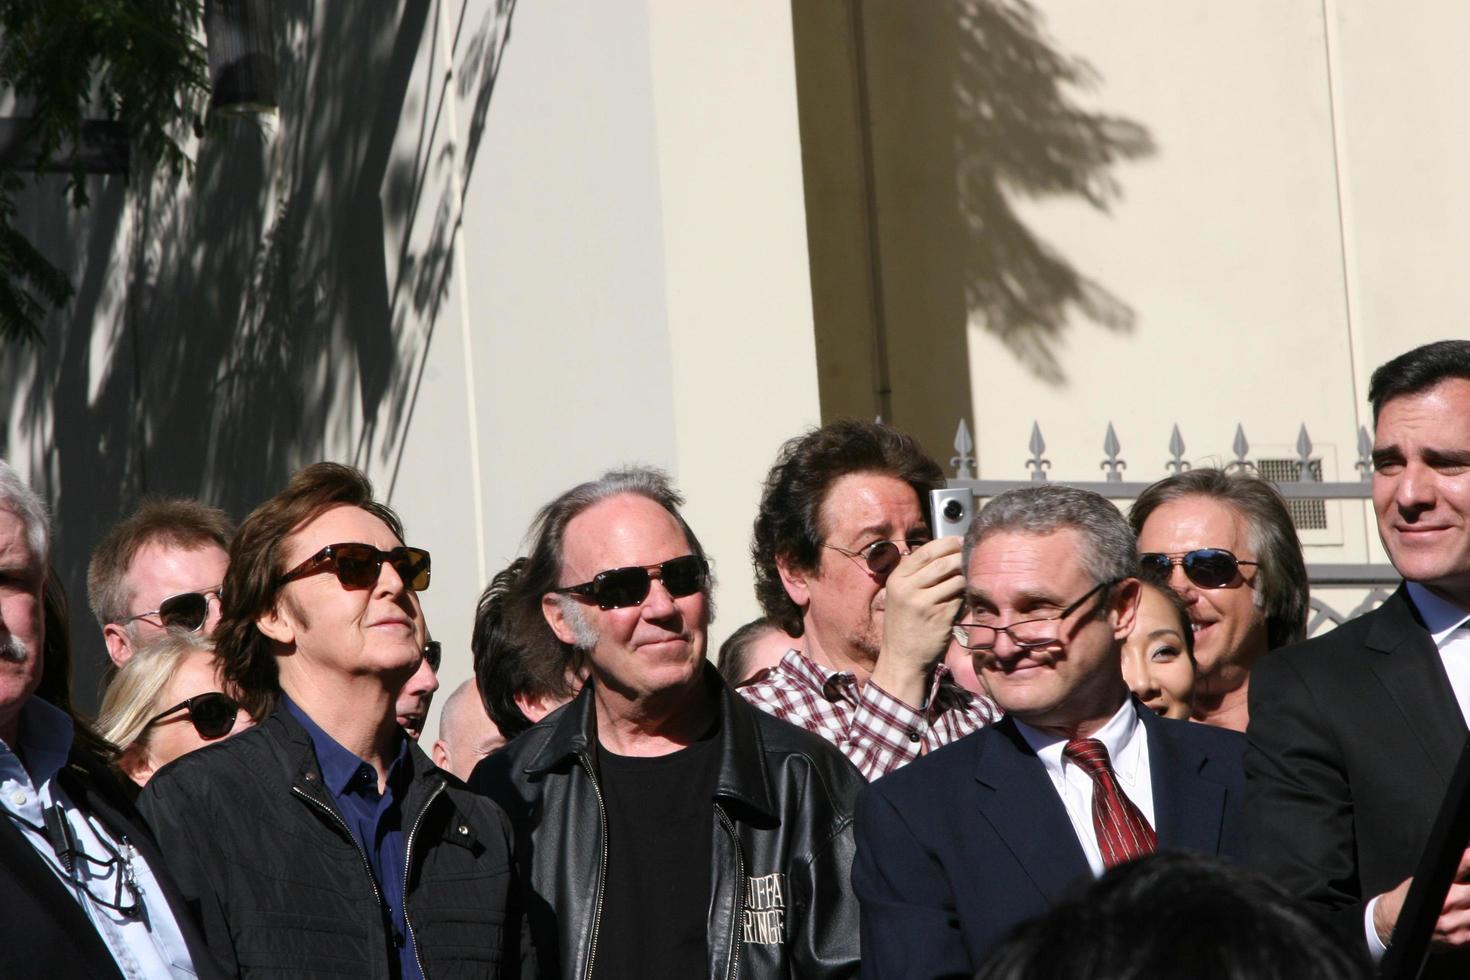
[(87, 892)]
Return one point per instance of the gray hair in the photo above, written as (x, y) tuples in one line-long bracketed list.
[(1112, 552), (132, 695), (547, 538), (1284, 591), (27, 505)]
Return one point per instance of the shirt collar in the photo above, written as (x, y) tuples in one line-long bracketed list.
[(339, 765), (1117, 736), (1440, 616), (835, 685), (841, 685)]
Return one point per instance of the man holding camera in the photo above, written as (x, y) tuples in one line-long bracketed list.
[(844, 559)]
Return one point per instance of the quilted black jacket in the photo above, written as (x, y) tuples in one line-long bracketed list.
[(281, 887)]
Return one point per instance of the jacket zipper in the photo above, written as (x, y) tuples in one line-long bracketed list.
[(407, 864), (739, 906), (602, 878), (355, 845)]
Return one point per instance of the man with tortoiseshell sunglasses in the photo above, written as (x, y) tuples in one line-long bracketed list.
[(324, 840)]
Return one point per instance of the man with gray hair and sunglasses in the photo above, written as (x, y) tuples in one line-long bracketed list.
[(87, 893), (664, 827), (957, 848)]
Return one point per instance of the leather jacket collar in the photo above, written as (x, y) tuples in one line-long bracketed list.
[(742, 779)]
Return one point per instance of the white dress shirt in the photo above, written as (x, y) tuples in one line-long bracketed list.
[(1127, 745), (146, 946), (1450, 631)]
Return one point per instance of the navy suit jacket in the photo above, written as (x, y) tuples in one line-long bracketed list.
[(959, 847)]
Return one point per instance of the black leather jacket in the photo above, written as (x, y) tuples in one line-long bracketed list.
[(781, 900), (281, 886)]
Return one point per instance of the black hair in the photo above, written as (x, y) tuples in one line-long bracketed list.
[(1418, 370), (806, 467), (1177, 914)]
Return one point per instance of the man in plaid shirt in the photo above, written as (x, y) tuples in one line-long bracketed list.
[(845, 561)]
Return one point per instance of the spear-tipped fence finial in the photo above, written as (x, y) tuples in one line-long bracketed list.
[(1304, 456), (1365, 454), (963, 459), (1037, 463), (1176, 449), (1113, 465)]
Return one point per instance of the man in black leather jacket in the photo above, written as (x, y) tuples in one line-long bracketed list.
[(663, 826), (323, 841)]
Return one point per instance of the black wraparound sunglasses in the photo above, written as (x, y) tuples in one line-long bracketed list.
[(1209, 568), (618, 588)]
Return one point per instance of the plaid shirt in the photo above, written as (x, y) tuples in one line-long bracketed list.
[(875, 730)]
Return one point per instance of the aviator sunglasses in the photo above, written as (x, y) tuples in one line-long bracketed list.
[(357, 566), (1209, 568), (185, 611), (618, 588), (883, 556), (212, 714)]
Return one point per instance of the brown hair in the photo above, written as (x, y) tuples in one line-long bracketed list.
[(256, 566), (175, 521), (788, 524)]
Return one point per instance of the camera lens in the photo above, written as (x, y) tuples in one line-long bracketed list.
[(953, 510)]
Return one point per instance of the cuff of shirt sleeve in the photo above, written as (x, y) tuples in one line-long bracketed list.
[(1376, 949)]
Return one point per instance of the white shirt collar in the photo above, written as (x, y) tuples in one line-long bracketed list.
[(1440, 616), (1117, 736)]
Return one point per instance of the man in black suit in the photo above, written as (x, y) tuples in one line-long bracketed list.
[(963, 844), (1354, 735), (86, 891)]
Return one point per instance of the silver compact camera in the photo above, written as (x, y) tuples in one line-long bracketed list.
[(950, 512)]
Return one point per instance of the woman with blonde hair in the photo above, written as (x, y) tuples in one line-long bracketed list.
[(167, 701)]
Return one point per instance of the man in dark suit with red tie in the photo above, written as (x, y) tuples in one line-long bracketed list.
[(962, 845), (1354, 735)]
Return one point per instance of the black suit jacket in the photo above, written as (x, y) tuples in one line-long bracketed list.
[(959, 847), (44, 932), (1353, 738)]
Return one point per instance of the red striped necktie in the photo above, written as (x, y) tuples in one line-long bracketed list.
[(1123, 833)]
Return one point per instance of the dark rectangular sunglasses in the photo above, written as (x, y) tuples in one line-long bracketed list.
[(357, 565), (618, 588), (212, 714), (1209, 568)]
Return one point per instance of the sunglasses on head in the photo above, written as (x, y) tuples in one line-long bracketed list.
[(212, 714), (185, 611), (357, 566), (617, 588), (1209, 568), (881, 557)]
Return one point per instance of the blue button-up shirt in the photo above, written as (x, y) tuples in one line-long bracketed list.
[(374, 818)]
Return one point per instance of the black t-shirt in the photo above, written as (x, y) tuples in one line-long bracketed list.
[(660, 820)]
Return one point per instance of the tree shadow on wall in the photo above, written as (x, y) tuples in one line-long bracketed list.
[(280, 308), (1020, 133)]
